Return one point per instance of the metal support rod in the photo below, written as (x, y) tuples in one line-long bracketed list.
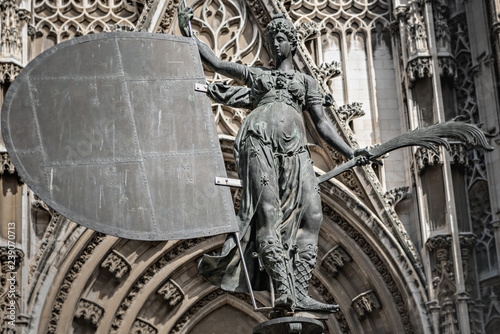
[(247, 276)]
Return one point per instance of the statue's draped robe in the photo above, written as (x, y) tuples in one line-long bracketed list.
[(270, 151)]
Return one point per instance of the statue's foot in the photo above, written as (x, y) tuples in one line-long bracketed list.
[(309, 304), (285, 301)]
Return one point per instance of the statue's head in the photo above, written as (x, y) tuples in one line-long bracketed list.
[(280, 24)]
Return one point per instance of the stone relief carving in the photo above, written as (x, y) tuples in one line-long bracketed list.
[(177, 251), (415, 30), (335, 259), (419, 68), (68, 280), (425, 157), (458, 154), (6, 165), (327, 297), (8, 72), (12, 18), (172, 293), (141, 326), (377, 262), (71, 19), (116, 264), (10, 261), (209, 298), (90, 311), (447, 67), (366, 303), (441, 27)]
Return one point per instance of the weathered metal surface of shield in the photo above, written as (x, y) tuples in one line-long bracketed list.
[(108, 130)]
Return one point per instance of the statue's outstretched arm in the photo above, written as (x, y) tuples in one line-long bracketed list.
[(328, 132), (226, 68)]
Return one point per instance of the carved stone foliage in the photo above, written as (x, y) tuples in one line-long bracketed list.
[(366, 303), (143, 327), (397, 194), (335, 259), (327, 71), (6, 165), (116, 264), (351, 111), (425, 157), (171, 292), (307, 30), (89, 311), (68, 19)]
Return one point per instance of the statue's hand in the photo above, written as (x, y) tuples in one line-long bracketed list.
[(328, 100), (184, 15), (362, 156)]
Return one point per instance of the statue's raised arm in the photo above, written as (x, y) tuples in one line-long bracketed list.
[(226, 68)]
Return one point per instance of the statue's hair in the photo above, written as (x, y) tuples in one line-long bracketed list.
[(280, 24)]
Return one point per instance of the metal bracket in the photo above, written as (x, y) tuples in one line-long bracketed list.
[(200, 87), (224, 181)]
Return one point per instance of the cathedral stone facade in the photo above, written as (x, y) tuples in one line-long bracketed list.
[(412, 246)]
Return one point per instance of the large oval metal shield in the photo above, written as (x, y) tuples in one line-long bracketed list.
[(109, 131)]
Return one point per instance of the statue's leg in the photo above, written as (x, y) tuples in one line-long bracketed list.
[(307, 249), (263, 183)]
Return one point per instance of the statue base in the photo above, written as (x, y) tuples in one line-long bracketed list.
[(290, 325)]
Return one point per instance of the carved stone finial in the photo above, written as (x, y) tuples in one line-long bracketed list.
[(143, 327), (171, 292), (116, 264), (90, 311), (335, 259), (351, 111), (397, 194), (365, 303)]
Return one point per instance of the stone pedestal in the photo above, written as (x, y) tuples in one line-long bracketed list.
[(290, 325)]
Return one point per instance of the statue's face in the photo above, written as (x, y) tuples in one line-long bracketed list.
[(281, 46)]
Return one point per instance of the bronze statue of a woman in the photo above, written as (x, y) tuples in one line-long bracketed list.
[(280, 214)]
